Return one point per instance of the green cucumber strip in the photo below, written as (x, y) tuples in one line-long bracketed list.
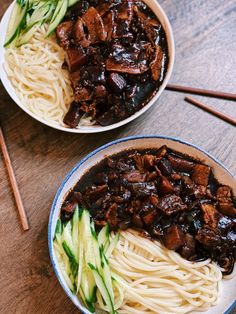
[(103, 236), (58, 229), (25, 37), (102, 288), (106, 274), (112, 245), (17, 18), (72, 2), (57, 16), (86, 236), (72, 259), (75, 231), (40, 14)]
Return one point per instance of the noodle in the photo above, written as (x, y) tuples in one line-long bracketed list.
[(153, 279), (35, 71)]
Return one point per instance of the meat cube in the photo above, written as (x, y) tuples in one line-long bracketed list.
[(75, 57), (156, 64), (125, 67), (149, 217), (112, 216), (154, 200), (137, 221), (210, 215), (104, 8), (75, 78), (180, 164), (116, 82), (123, 19), (165, 166), (72, 118), (227, 208), (188, 250), (95, 26), (109, 24), (148, 161), (166, 186), (125, 10), (131, 60), (208, 237), (171, 204), (199, 191), (64, 33), (68, 206), (225, 202), (148, 25), (200, 174), (100, 92), (83, 94), (161, 153), (224, 192), (93, 75), (134, 176), (95, 192), (142, 190), (80, 34), (174, 238)]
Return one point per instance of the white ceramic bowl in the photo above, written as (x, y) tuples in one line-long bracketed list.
[(157, 9), (227, 298)]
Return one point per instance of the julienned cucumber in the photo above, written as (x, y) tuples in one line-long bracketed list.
[(16, 20), (58, 16), (72, 2), (83, 260), (103, 289), (28, 15)]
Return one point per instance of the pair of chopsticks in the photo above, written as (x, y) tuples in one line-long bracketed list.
[(209, 93), (16, 192)]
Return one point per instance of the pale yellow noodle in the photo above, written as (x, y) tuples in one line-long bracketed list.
[(36, 74), (157, 280)]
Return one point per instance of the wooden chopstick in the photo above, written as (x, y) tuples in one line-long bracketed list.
[(211, 110), (202, 92), (16, 192)]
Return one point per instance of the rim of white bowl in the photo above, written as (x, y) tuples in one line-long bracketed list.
[(77, 166), (92, 129)]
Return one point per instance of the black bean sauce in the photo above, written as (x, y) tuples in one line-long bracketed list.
[(172, 197)]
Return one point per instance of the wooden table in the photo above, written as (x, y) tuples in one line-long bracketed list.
[(205, 57)]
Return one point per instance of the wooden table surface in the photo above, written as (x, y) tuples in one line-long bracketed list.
[(205, 36)]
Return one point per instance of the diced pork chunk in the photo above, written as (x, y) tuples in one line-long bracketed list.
[(149, 217), (112, 216), (174, 238), (156, 64), (80, 34), (166, 186), (170, 204), (210, 215), (73, 116), (116, 82), (224, 198), (75, 57), (64, 33), (134, 176), (201, 174), (108, 22), (95, 26), (180, 164), (83, 94)]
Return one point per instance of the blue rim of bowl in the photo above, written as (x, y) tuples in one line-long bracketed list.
[(101, 148)]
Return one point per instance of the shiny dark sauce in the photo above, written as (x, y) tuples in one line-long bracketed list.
[(167, 196), (117, 58)]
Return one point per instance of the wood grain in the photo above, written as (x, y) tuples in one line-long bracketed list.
[(205, 57)]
